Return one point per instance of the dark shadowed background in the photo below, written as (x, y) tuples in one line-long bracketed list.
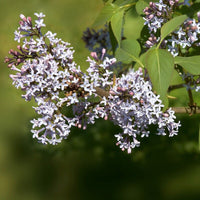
[(87, 165)]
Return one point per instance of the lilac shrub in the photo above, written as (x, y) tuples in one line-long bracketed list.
[(46, 71)]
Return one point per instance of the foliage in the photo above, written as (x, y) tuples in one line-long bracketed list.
[(168, 44)]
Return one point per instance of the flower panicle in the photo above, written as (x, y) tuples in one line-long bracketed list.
[(46, 71)]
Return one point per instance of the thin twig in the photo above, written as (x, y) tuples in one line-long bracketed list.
[(174, 87), (186, 110)]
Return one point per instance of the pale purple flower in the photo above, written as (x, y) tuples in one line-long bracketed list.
[(49, 74)]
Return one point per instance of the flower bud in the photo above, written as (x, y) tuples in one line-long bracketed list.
[(131, 93), (193, 28), (6, 59), (119, 89), (10, 65), (21, 23), (151, 16), (94, 55), (198, 16), (112, 92), (19, 47), (22, 17), (129, 150), (11, 52), (165, 114), (29, 19), (16, 53)]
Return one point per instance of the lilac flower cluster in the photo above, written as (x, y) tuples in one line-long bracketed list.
[(48, 73), (159, 13), (186, 36), (179, 41), (155, 16), (47, 70), (133, 106), (98, 40)]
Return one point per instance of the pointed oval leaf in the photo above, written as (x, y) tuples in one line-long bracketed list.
[(123, 2), (113, 40), (142, 59), (190, 64), (106, 13), (160, 66), (129, 51), (131, 46), (171, 25), (123, 56), (116, 24)]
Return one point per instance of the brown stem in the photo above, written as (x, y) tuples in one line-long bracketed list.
[(191, 103), (192, 109), (184, 110), (174, 87)]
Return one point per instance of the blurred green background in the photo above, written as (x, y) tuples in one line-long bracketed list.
[(87, 165)]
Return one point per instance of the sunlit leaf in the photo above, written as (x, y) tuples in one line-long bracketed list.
[(113, 39), (106, 13), (116, 24), (190, 64), (129, 51), (160, 66), (123, 2)]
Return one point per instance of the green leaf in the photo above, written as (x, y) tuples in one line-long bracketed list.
[(131, 46), (123, 56), (116, 24), (176, 78), (160, 66), (171, 25), (112, 39), (142, 58), (107, 1), (106, 13), (129, 51), (118, 2), (140, 6), (190, 64), (123, 2)]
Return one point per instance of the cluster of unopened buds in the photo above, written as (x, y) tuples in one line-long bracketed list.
[(46, 71)]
